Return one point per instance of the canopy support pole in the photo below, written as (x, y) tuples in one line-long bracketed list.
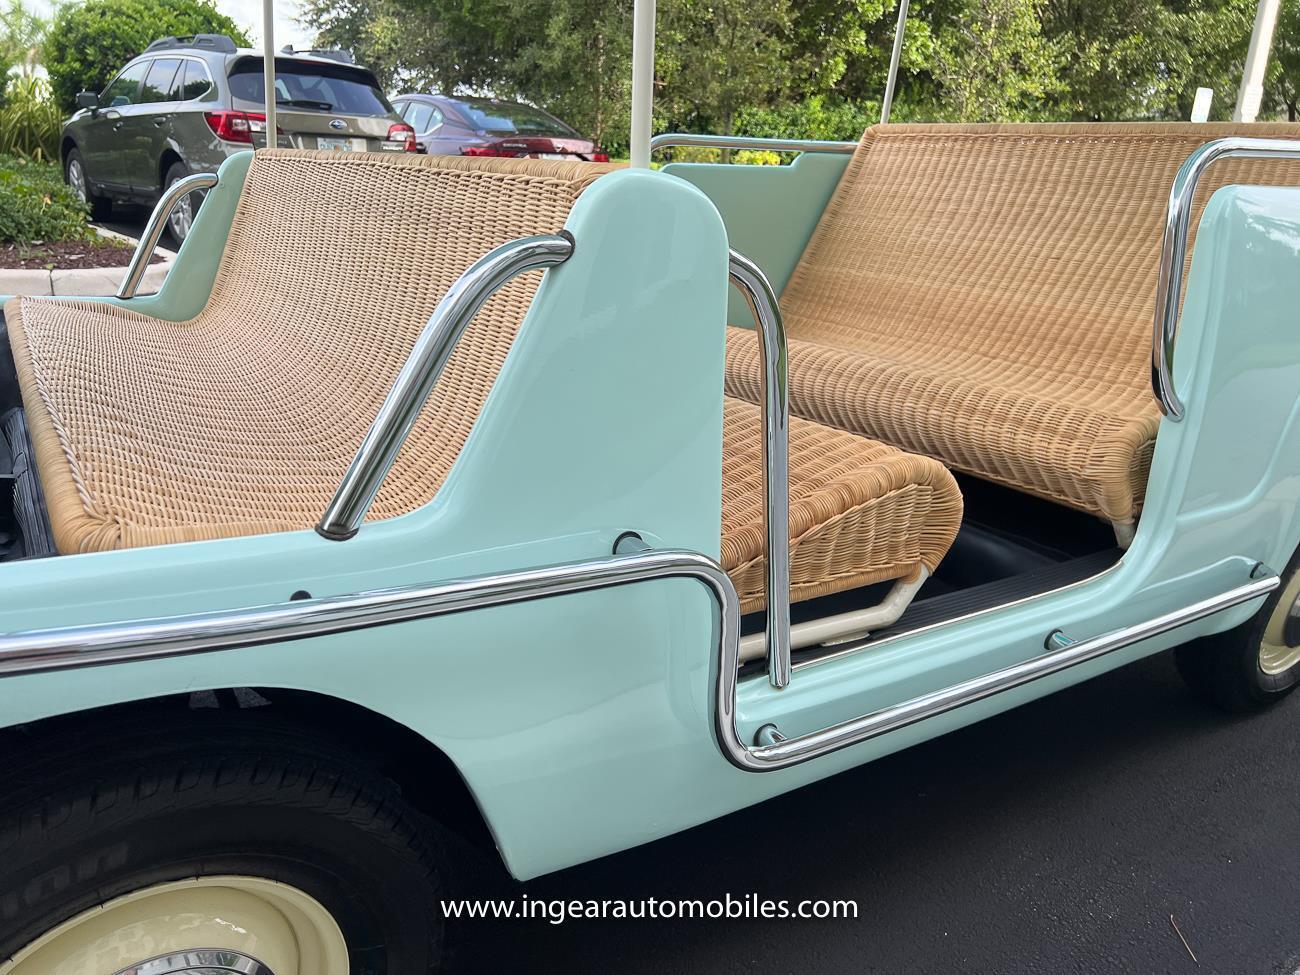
[(268, 69), (643, 81), (887, 105), (1251, 92)]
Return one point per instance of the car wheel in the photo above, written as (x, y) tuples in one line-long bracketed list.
[(214, 845), (1253, 665), (74, 174), (183, 214)]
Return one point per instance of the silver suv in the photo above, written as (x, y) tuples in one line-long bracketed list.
[(187, 103)]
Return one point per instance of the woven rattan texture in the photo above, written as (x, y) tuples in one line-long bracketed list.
[(984, 295), (860, 512)]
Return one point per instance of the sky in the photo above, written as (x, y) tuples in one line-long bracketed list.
[(248, 15)]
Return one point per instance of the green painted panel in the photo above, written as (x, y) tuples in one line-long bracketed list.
[(770, 211)]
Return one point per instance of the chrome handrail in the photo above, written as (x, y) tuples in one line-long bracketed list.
[(153, 230), (419, 375), (753, 284), (669, 140), (1173, 252)]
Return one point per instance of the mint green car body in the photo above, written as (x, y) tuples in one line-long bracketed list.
[(584, 724)]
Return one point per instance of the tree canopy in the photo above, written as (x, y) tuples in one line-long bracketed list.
[(819, 65)]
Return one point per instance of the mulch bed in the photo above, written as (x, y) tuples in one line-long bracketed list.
[(68, 254)]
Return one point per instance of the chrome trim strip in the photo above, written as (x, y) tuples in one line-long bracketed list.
[(58, 648), (792, 751), (671, 139), (1173, 253), (153, 230), (419, 375), (749, 278)]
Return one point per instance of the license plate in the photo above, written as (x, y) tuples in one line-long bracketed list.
[(551, 155), (340, 145)]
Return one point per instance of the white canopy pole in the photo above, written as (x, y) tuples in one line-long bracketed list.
[(1251, 92), (268, 69), (643, 80), (887, 105)]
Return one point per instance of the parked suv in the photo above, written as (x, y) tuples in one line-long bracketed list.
[(187, 103)]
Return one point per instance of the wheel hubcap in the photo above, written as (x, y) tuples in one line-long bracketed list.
[(77, 180), (1279, 650), (202, 926), (182, 217)]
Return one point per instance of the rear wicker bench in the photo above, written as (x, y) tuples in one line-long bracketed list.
[(983, 295), (243, 419)]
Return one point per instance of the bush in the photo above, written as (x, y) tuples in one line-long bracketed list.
[(30, 122), (90, 41), (816, 117), (35, 205)]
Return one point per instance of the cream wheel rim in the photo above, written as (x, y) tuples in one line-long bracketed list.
[(229, 925), (1275, 656)]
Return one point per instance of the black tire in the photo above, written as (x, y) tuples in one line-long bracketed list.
[(101, 207), (175, 172), (1225, 669), (210, 794)]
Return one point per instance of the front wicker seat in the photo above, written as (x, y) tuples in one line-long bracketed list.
[(148, 431)]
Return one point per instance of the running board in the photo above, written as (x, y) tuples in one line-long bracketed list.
[(772, 750)]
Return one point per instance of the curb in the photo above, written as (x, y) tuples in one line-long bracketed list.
[(82, 282)]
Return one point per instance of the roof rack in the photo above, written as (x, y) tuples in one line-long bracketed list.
[(334, 54), (207, 42)]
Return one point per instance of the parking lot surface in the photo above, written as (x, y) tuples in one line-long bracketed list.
[(1059, 837)]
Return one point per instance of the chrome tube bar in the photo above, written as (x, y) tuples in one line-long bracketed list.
[(781, 752), (670, 140), (419, 375), (753, 284), (153, 230), (895, 56), (1173, 252)]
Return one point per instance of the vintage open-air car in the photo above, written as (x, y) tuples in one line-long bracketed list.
[(362, 535)]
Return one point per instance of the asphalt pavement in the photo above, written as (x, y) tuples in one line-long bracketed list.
[(1058, 837)]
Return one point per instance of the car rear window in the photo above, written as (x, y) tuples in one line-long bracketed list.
[(304, 86), (511, 118)]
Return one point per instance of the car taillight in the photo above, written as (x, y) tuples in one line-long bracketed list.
[(237, 126), (403, 133), (486, 151), (600, 156)]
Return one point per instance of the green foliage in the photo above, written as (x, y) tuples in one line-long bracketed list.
[(36, 206), (91, 40), (816, 117), (22, 34), (30, 121), (1282, 93)]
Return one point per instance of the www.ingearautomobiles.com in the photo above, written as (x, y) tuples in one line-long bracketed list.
[(748, 907)]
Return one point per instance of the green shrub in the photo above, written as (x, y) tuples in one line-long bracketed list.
[(30, 122), (90, 41), (35, 205), (816, 117)]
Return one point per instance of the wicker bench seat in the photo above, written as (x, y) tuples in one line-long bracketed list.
[(984, 295), (243, 419)]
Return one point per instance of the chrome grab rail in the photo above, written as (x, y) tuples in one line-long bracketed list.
[(1173, 252), (753, 284), (419, 375), (673, 139), (153, 230)]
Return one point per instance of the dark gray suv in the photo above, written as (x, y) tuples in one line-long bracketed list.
[(187, 103)]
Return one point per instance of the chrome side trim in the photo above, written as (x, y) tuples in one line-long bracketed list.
[(1173, 252), (153, 230), (59, 648), (419, 375), (791, 751), (753, 284), (669, 140)]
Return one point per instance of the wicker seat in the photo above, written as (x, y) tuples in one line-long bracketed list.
[(148, 431), (983, 295)]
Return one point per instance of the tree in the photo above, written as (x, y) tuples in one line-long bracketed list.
[(22, 32), (90, 41), (403, 50), (1282, 94), (993, 63)]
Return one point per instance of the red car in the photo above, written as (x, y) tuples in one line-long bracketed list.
[(468, 126)]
